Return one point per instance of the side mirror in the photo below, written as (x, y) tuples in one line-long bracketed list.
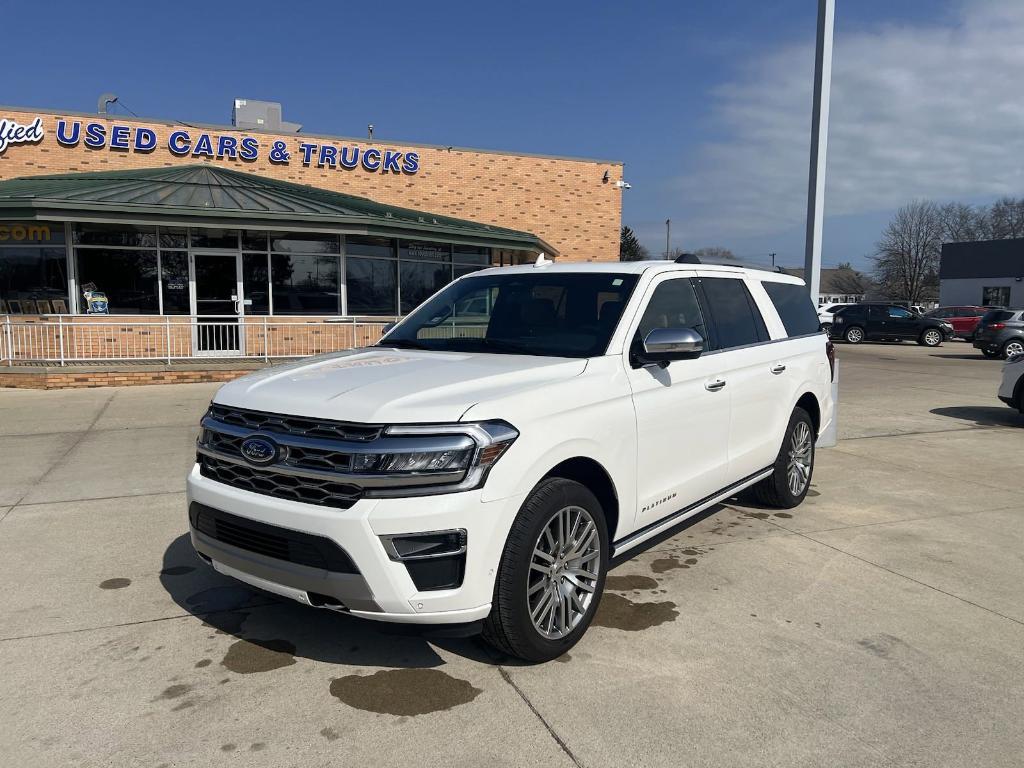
[(387, 328), (663, 345)]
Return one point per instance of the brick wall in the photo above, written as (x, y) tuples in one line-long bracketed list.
[(49, 379), (563, 201)]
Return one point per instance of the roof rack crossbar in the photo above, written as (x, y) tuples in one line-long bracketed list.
[(693, 258)]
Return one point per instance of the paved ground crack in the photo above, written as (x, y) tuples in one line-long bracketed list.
[(554, 735)]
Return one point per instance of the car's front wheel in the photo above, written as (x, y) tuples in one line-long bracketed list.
[(854, 335), (788, 484), (930, 337), (552, 573)]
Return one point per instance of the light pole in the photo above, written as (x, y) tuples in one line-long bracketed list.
[(819, 146), (668, 236)]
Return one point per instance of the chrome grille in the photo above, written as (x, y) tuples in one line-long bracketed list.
[(323, 459), (327, 493), (295, 425)]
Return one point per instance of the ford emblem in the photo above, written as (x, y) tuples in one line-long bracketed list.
[(259, 450)]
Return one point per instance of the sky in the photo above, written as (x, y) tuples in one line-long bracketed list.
[(706, 102)]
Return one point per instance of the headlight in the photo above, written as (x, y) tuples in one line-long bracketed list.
[(432, 458)]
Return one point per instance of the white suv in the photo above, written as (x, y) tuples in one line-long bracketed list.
[(482, 464)]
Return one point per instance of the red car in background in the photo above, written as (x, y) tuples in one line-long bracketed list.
[(963, 319)]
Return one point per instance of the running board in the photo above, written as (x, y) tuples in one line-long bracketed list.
[(660, 526)]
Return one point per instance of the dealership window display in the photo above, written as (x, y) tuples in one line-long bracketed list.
[(33, 268)]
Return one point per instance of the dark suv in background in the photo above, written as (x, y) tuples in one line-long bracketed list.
[(1000, 333), (888, 322)]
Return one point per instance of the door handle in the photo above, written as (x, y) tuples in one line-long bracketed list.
[(714, 386), (777, 369)]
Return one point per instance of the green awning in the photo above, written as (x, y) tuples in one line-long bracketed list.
[(206, 195)]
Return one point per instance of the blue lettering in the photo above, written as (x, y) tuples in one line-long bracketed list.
[(179, 143), (411, 164), (371, 159), (119, 135), (204, 146), (227, 146), (349, 162), (250, 149), (95, 136), (307, 151), (391, 159), (145, 140), (62, 134), (328, 156)]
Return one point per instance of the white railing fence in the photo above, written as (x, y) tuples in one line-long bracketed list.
[(64, 339)]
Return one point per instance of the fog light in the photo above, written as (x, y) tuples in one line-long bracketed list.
[(424, 546)]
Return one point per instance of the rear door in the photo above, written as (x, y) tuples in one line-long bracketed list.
[(902, 323), (682, 414), (746, 361)]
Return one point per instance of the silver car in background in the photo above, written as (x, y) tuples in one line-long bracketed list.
[(1011, 389)]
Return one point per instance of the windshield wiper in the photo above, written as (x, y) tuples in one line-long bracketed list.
[(509, 346)]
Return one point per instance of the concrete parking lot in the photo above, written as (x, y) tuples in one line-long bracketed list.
[(879, 624)]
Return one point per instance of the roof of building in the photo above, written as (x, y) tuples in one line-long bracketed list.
[(832, 280), (206, 194), (986, 258)]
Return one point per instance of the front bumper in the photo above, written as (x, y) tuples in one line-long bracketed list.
[(379, 588)]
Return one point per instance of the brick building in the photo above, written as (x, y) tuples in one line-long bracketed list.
[(162, 218)]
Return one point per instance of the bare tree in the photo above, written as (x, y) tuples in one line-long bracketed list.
[(715, 253), (907, 257), (962, 223), (848, 280), (1004, 219)]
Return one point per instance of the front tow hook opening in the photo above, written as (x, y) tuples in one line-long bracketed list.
[(318, 600)]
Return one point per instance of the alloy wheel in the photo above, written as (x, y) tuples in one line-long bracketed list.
[(798, 471), (932, 338), (563, 573), (1014, 348), (855, 335)]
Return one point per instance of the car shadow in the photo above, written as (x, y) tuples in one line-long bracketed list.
[(982, 415), (258, 618), (977, 356)]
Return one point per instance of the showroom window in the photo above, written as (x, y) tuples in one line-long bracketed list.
[(127, 276), (371, 276), (995, 296), (33, 268)]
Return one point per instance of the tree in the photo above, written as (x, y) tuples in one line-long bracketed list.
[(630, 248), (715, 253), (962, 223), (1004, 219), (848, 280), (907, 257)]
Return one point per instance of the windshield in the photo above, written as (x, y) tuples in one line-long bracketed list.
[(557, 314)]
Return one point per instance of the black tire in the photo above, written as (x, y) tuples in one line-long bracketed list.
[(930, 337), (1012, 347), (509, 627), (854, 334), (774, 490), (990, 354)]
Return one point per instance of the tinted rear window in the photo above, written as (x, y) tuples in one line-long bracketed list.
[(794, 306), (996, 316), (737, 321)]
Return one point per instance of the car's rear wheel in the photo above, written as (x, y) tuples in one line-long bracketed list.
[(990, 354), (552, 573), (1013, 347), (788, 484), (931, 337), (854, 335)]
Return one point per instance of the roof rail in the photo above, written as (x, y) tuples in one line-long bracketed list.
[(693, 258)]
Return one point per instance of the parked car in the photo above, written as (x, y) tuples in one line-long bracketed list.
[(963, 319), (890, 322), (1000, 333), (825, 313), (1011, 388), (485, 481)]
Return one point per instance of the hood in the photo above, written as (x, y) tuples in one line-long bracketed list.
[(393, 386)]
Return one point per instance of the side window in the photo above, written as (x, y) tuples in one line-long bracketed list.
[(794, 306), (736, 319), (673, 305), (900, 314), (878, 313)]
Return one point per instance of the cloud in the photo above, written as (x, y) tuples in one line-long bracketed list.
[(918, 111)]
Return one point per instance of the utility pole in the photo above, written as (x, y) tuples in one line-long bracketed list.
[(668, 236), (819, 146), (773, 259)]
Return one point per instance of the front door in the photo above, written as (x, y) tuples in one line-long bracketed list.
[(682, 411), (217, 331)]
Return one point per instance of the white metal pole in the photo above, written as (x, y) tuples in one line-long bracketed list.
[(819, 146)]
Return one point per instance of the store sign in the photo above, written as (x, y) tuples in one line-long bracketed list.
[(13, 132), (204, 145), (26, 233)]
